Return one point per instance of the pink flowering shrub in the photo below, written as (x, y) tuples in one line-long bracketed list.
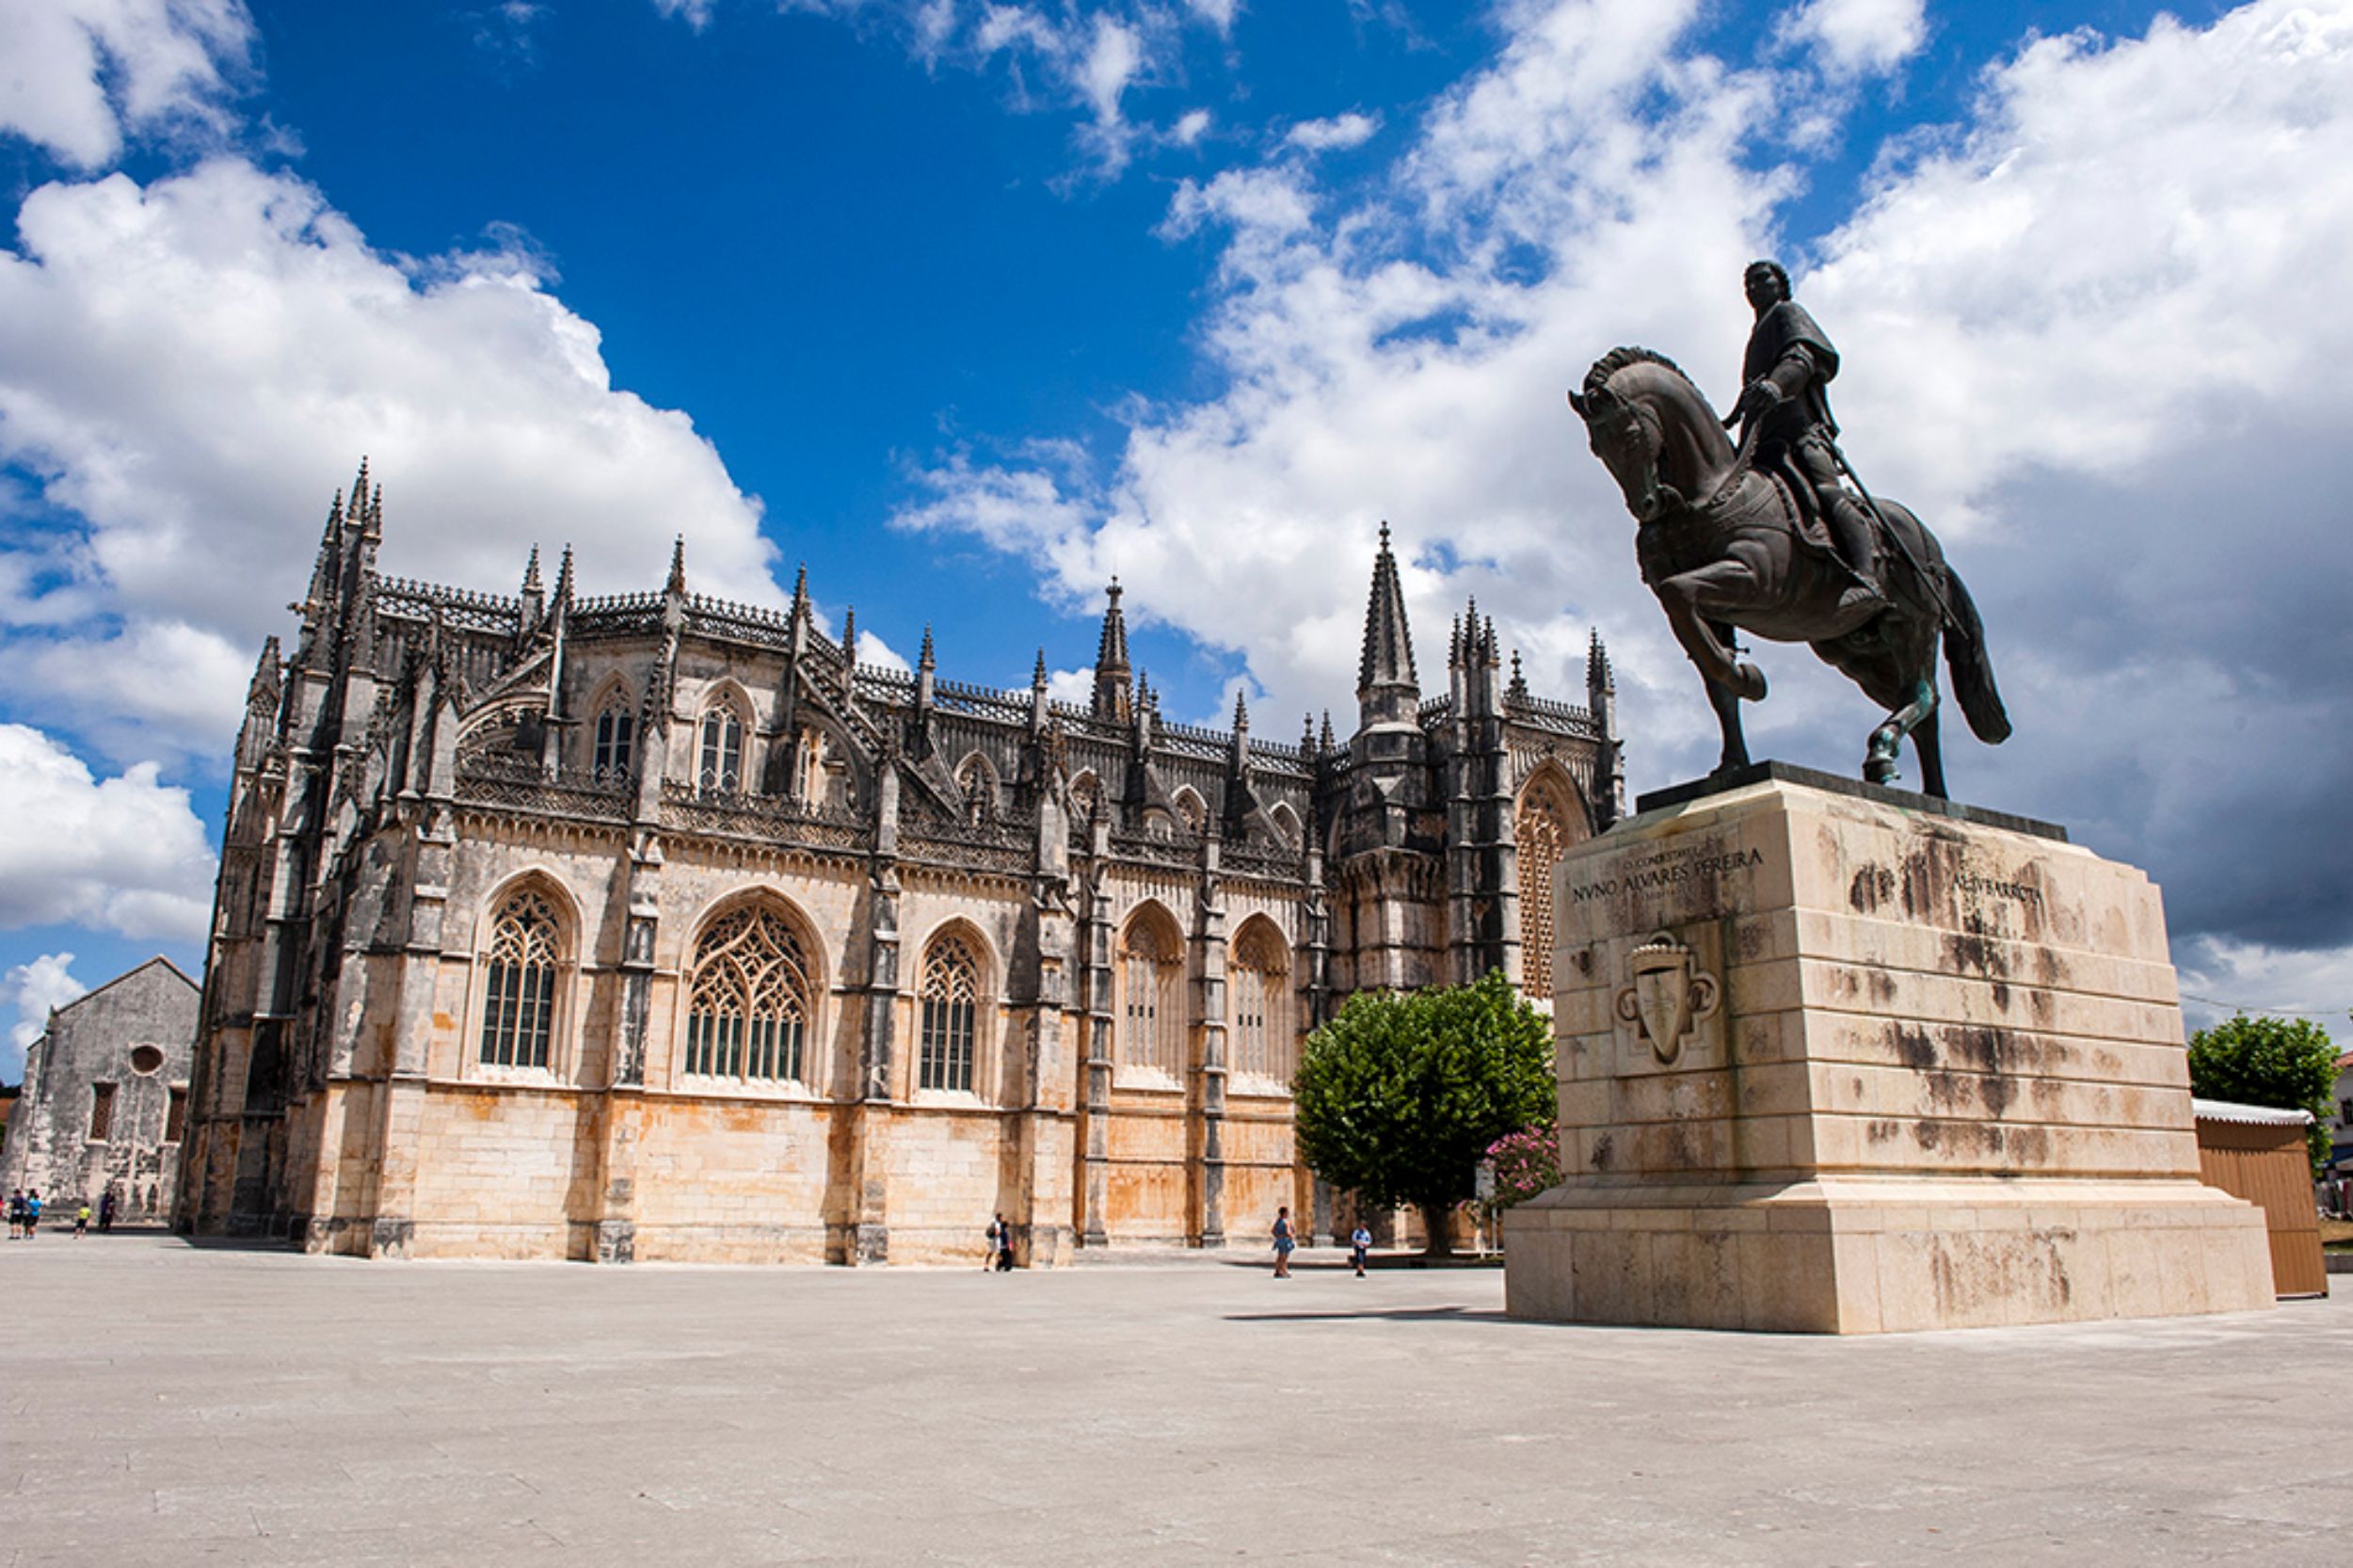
[(1525, 1163)]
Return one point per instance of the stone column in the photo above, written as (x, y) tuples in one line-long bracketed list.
[(620, 1128), (1096, 981), (1209, 1099), (869, 1237), (401, 1112)]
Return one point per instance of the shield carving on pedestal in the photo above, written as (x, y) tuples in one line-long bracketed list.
[(1666, 995)]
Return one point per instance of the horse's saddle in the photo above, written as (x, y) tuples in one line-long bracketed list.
[(1776, 499)]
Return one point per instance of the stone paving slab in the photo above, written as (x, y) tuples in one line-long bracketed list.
[(170, 1405)]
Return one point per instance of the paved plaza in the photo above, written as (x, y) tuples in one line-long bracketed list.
[(170, 1405)]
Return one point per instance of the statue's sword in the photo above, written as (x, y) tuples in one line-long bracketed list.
[(1936, 594)]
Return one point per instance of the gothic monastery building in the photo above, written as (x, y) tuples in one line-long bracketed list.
[(657, 927)]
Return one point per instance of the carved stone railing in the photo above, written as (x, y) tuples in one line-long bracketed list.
[(1179, 851), (1545, 713), (765, 819), (509, 784), (1281, 865), (965, 854)]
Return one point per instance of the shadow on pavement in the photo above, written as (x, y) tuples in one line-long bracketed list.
[(1392, 1314)]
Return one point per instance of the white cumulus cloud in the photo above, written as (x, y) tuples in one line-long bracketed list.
[(1336, 133), (78, 76), (123, 853), (32, 989), (293, 349), (1855, 38)]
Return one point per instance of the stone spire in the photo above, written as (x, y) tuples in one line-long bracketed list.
[(1387, 689), (676, 586), (532, 595), (1115, 691), (564, 579)]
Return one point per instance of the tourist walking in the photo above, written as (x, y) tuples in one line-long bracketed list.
[(1005, 1244), (1284, 1242), (32, 1213), (106, 1211), (16, 1213), (1359, 1243), (80, 1221)]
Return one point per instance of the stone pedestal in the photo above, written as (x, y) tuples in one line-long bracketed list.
[(1835, 1059)]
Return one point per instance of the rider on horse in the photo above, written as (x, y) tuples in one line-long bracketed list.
[(1784, 377)]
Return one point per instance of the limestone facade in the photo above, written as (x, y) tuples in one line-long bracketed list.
[(1836, 1060), (657, 927), (105, 1099)]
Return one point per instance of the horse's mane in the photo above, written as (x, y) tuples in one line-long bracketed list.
[(1618, 359)]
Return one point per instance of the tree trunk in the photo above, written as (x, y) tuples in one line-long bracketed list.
[(1437, 1224)]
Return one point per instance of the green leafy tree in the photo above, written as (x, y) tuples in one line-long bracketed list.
[(1400, 1096), (2288, 1064)]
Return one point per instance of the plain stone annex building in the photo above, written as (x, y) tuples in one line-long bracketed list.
[(105, 1099), (657, 927)]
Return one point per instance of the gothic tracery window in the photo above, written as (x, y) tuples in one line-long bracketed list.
[(722, 761), (615, 740), (1550, 820), (1259, 984), (950, 1001), (519, 995), (1152, 1002), (750, 1007)]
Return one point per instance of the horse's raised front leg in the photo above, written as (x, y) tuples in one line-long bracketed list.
[(1698, 601), (1878, 763)]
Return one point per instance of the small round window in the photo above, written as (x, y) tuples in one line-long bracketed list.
[(146, 1059)]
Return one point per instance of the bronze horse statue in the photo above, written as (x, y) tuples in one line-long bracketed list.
[(1725, 544)]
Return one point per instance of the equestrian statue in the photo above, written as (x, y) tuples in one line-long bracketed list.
[(1777, 537)]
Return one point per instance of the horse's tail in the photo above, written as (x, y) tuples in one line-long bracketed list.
[(1973, 672)]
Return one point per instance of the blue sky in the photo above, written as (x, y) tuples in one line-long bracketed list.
[(967, 306)]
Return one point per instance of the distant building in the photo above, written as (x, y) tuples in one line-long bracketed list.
[(2340, 1122), (105, 1099), (657, 927)]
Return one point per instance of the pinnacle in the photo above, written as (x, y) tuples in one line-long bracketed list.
[(1388, 652), (677, 585)]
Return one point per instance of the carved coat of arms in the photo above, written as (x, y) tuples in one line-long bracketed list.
[(1665, 995)]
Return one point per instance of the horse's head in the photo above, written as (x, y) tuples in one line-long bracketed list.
[(1627, 438), (1626, 405)]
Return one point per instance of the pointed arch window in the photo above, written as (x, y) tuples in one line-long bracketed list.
[(519, 999), (979, 783), (750, 1007), (616, 746), (722, 737), (1548, 822), (951, 997), (1191, 811), (1152, 1006), (1260, 987), (1086, 797)]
